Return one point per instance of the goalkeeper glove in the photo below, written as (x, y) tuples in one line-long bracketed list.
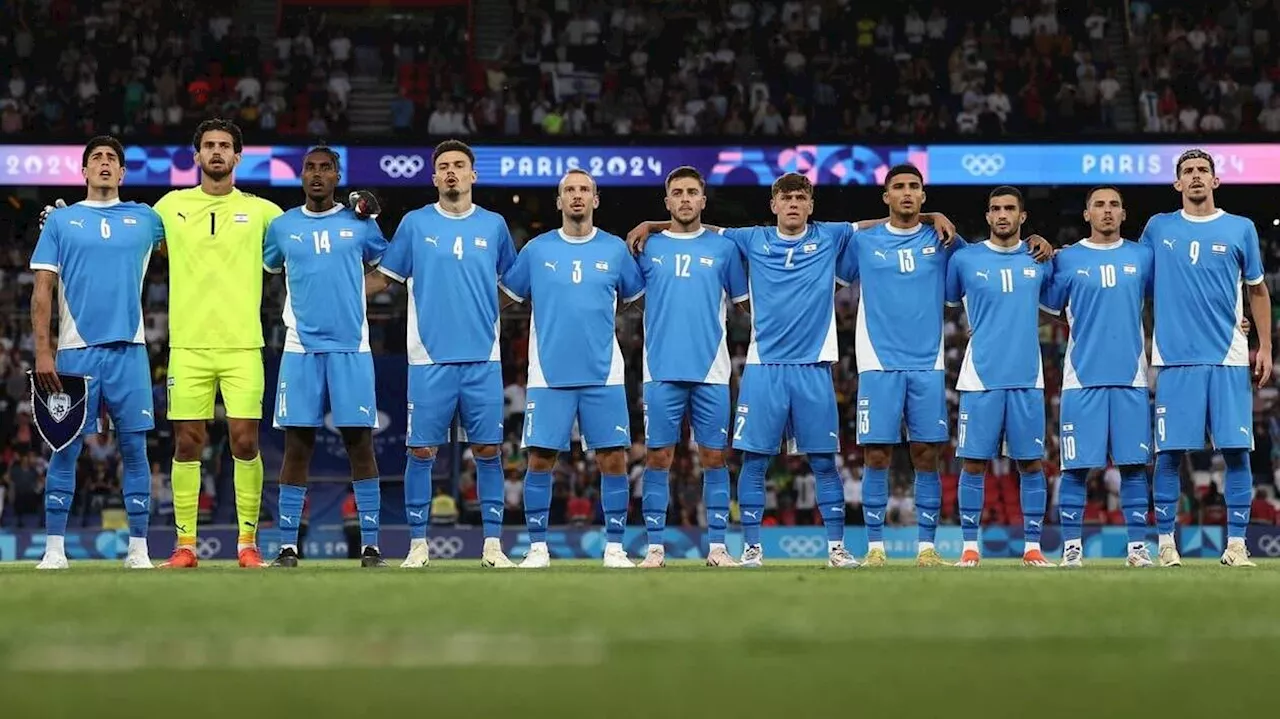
[(364, 204), (44, 214)]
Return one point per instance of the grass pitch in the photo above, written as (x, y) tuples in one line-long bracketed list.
[(330, 639)]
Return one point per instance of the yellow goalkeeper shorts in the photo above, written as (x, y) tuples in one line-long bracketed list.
[(197, 375)]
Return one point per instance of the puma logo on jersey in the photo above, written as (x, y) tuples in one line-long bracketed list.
[(982, 274), (552, 265), (656, 260), (77, 223), (1083, 271), (296, 237), (434, 241), (1169, 243), (881, 254)]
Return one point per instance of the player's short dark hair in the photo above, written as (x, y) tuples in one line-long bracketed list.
[(1007, 190), (1194, 153), (453, 146), (218, 124), (325, 149), (905, 168), (1099, 188), (683, 172), (792, 182), (102, 141), (577, 171)]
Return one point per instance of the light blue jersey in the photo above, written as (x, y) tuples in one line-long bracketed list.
[(575, 284), (792, 282), (1102, 288), (1000, 289), (690, 280), (903, 274), (323, 256), (451, 264), (100, 252), (1199, 303)]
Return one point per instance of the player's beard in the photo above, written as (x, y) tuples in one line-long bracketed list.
[(217, 175), (1011, 231), (452, 194)]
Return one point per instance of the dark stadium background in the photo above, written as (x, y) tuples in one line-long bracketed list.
[(387, 73)]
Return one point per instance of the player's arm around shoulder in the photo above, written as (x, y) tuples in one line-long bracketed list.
[(516, 282), (631, 281), (954, 290), (167, 208)]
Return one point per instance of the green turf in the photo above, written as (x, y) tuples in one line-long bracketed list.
[(330, 639)]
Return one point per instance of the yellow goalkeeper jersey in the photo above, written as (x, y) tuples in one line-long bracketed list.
[(215, 267)]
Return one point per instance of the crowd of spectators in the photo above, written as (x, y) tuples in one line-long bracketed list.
[(1207, 66), (794, 68), (156, 68), (791, 69)]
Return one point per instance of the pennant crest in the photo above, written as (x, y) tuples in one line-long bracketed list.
[(60, 416)]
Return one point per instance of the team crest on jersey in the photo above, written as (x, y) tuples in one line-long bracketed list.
[(241, 218), (1130, 269), (1028, 272), (928, 250), (1068, 427), (346, 234), (706, 261), (602, 266), (130, 221), (742, 409), (1219, 249), (810, 248), (482, 243)]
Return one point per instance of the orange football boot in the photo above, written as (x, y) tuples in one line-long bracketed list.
[(251, 558), (183, 557), (969, 558), (1035, 558)]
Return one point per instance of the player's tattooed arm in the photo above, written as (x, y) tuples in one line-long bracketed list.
[(639, 235), (46, 374), (1040, 249)]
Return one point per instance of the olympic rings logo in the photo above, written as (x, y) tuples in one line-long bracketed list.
[(982, 165), (802, 546), (397, 166), (1269, 545), (445, 547), (208, 548)]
